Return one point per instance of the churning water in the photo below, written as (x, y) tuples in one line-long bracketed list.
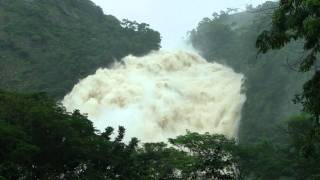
[(162, 95)]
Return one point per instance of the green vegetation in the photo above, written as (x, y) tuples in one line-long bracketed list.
[(293, 20), (270, 147), (47, 46), (40, 140), (285, 160), (271, 82)]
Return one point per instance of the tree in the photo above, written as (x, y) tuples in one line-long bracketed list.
[(291, 21), (213, 153), (40, 140), (270, 84), (214, 37), (47, 46), (158, 161), (267, 159)]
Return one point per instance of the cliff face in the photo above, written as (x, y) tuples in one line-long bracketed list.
[(48, 45), (271, 82)]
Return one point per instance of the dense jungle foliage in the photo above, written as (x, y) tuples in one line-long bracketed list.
[(40, 140), (283, 144), (48, 45), (272, 81)]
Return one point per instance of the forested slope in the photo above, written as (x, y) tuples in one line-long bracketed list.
[(272, 79), (40, 140), (48, 45)]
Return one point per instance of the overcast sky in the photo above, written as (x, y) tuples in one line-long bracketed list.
[(172, 18)]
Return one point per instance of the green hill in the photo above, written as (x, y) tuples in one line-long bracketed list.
[(48, 45), (271, 81)]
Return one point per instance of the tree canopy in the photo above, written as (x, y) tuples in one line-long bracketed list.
[(293, 20), (40, 140), (47, 46), (273, 144), (271, 84)]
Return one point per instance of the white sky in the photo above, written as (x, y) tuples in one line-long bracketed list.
[(172, 18)]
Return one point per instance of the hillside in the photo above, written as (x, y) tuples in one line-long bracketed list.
[(49, 45), (272, 81)]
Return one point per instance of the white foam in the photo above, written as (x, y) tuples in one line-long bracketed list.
[(161, 95)]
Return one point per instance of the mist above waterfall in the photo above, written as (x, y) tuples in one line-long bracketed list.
[(162, 95)]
